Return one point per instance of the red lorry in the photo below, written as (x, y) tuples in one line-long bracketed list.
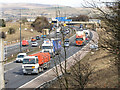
[(80, 38), (36, 63)]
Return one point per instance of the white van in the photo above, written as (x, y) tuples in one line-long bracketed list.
[(20, 57)]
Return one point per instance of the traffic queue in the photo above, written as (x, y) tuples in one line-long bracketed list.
[(37, 62)]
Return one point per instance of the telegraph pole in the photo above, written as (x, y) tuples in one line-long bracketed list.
[(2, 83)]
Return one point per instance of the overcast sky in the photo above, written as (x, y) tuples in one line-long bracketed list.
[(73, 3)]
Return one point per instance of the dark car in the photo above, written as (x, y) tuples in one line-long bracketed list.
[(37, 37)]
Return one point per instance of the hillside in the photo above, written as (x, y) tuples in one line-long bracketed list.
[(29, 10), (23, 6)]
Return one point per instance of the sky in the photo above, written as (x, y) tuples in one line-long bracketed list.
[(72, 3)]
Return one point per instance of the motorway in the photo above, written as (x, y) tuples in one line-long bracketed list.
[(15, 48), (13, 71)]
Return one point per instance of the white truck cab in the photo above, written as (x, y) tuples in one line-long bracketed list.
[(47, 46), (30, 65), (20, 57)]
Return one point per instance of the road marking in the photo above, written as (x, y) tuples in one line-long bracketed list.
[(16, 75), (9, 70), (9, 62)]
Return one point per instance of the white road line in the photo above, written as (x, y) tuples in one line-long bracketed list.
[(9, 70), (16, 75), (9, 62)]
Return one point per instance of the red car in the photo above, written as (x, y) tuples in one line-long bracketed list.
[(33, 40), (25, 43)]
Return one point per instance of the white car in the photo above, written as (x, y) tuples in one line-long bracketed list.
[(20, 57), (34, 44)]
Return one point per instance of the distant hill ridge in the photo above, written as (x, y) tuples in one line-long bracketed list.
[(25, 5)]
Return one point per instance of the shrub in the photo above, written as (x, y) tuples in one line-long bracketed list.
[(41, 23), (11, 31), (2, 23), (3, 35)]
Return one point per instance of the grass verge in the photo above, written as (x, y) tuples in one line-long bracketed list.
[(104, 74)]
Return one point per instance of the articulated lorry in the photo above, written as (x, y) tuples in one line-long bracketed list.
[(36, 63), (80, 38), (52, 46)]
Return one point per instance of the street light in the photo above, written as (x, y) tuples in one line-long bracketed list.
[(2, 85), (20, 32), (20, 38)]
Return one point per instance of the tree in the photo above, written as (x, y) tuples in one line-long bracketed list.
[(110, 27), (79, 74), (80, 18), (41, 23), (2, 23), (11, 31), (2, 35)]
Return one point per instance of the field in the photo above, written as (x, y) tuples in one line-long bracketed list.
[(25, 34)]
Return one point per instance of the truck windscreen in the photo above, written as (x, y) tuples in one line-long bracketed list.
[(79, 39), (47, 47), (29, 61), (54, 21), (20, 56), (67, 41)]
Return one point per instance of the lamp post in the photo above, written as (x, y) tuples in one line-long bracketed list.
[(20, 38), (2, 83), (20, 32)]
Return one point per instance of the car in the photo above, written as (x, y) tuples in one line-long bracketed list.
[(34, 44), (43, 36), (25, 43), (33, 40), (66, 43), (37, 37), (20, 57)]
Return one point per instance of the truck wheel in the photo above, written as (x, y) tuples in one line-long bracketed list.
[(24, 73), (38, 70), (42, 69), (48, 65)]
